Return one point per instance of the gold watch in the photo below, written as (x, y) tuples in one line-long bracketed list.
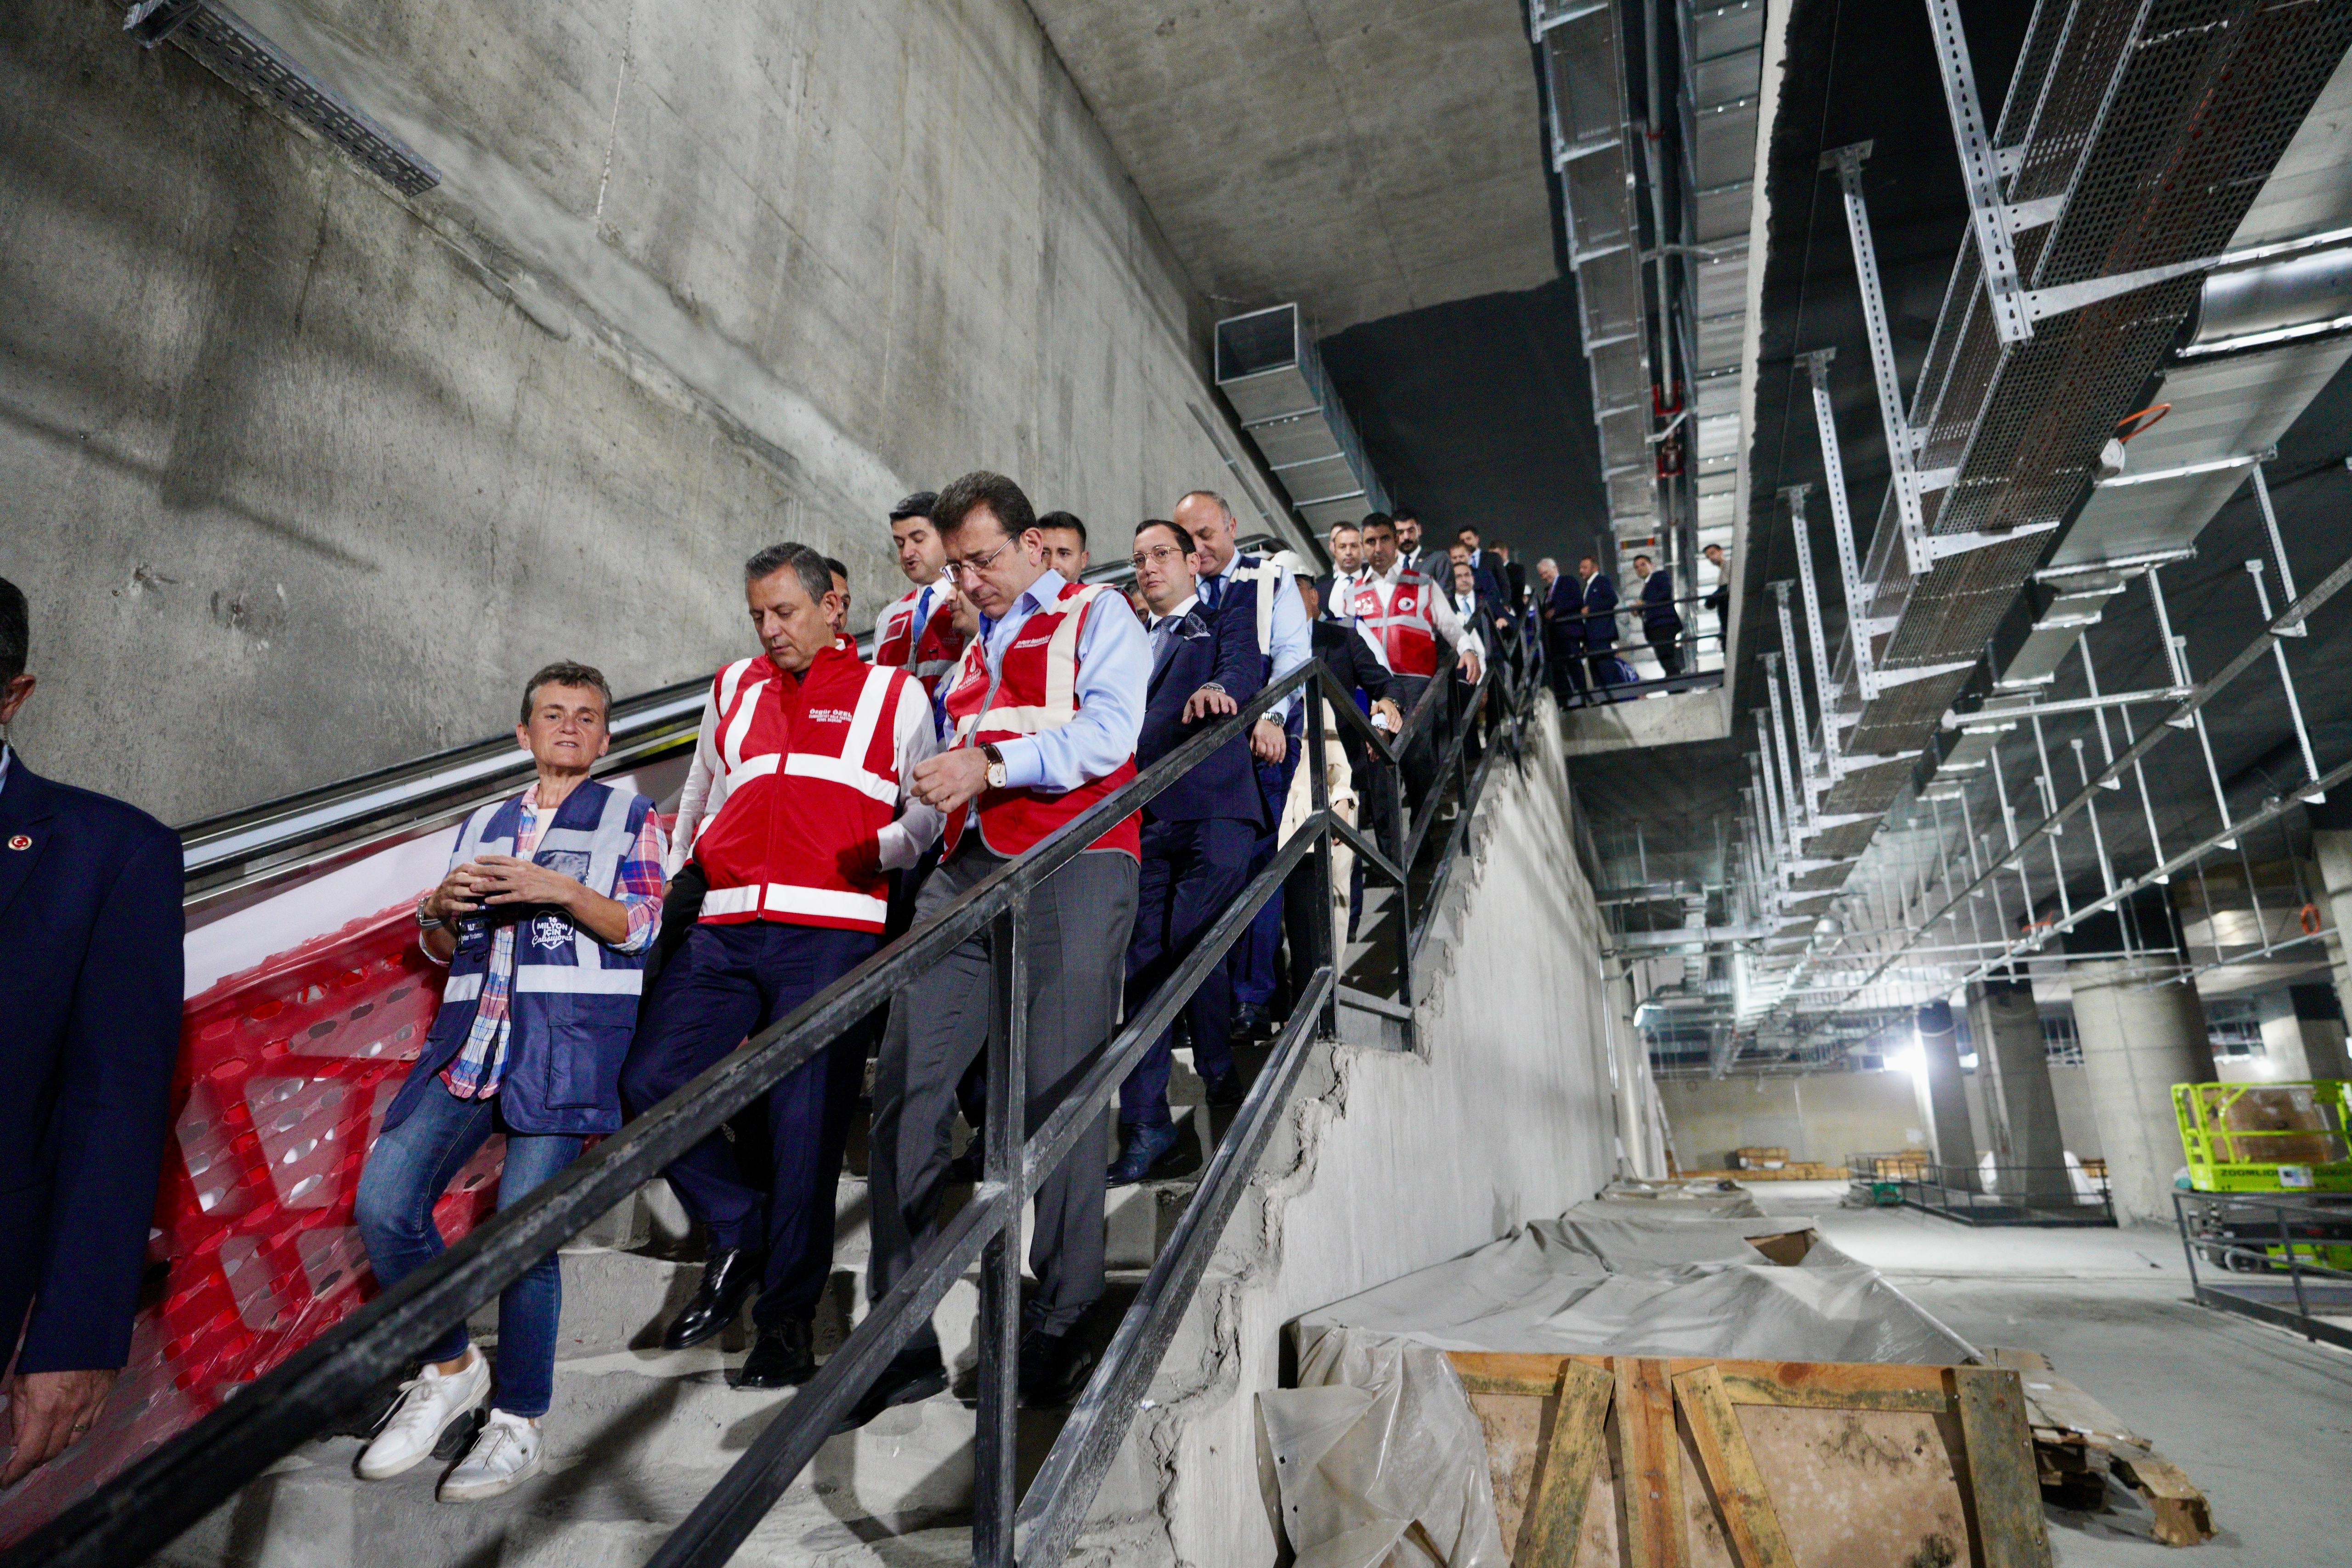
[(996, 774)]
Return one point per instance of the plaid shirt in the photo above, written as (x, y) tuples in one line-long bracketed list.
[(475, 1073)]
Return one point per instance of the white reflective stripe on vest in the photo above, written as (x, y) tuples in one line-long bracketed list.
[(732, 900), (758, 768), (462, 988), (730, 748), (576, 979), (840, 770), (786, 899), (731, 678)]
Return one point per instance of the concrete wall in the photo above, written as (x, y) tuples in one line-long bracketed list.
[(1391, 1162), (304, 478), (1821, 1116)]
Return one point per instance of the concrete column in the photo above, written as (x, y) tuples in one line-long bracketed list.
[(1944, 1099), (2014, 1064), (2302, 1033)]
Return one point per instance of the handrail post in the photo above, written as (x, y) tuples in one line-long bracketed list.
[(1326, 953), (1404, 896), (2293, 1268), (995, 1479)]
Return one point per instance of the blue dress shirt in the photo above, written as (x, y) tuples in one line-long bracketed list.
[(1113, 682)]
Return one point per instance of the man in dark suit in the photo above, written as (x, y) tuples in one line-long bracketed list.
[(89, 920), (1563, 634), (1197, 833), (1661, 626), (1597, 603)]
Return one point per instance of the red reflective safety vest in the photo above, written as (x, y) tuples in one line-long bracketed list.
[(1407, 635), (812, 775), (1037, 691), (926, 653)]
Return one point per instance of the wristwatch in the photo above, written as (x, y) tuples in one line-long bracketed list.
[(996, 774), (427, 922)]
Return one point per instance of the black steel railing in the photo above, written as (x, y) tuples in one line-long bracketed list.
[(1580, 671), (2051, 1197), (2284, 1259), (146, 1507)]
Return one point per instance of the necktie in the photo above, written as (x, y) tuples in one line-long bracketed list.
[(922, 614), (1212, 590)]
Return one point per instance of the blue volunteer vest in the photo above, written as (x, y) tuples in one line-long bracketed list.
[(575, 999)]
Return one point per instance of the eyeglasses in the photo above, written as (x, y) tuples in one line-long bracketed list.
[(962, 569), (1157, 555)]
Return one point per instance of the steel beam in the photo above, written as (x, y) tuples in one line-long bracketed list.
[(1902, 448)]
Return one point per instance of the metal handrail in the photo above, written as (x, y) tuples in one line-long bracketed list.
[(145, 1507)]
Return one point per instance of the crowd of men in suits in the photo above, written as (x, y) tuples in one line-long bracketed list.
[(602, 954), (1578, 619)]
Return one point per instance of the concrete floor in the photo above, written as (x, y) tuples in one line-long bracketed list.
[(2260, 1420)]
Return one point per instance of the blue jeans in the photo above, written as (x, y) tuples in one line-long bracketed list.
[(407, 1171)]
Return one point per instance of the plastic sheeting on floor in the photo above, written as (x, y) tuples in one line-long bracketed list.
[(1381, 1460)]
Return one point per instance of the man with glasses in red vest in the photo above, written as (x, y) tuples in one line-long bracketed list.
[(805, 753), (1044, 711)]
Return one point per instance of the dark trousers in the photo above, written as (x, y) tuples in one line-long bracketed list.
[(1080, 919), (728, 982), (1253, 958), (1567, 666), (1664, 642), (1419, 762), (1190, 871), (972, 1093)]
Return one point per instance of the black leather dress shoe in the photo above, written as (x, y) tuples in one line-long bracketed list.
[(1248, 1023), (784, 1356), (728, 1278), (1227, 1091), (1055, 1368), (912, 1375)]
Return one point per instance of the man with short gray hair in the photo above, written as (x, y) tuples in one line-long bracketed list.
[(794, 808)]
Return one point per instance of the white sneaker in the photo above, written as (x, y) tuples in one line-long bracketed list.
[(426, 1409), (505, 1455)]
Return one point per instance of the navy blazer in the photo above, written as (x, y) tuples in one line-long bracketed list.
[(89, 1029), (1223, 649), (1658, 613), (1599, 603)]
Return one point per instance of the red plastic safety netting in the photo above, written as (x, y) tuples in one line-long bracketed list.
[(284, 1072)]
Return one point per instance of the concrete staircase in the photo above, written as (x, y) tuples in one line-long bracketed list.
[(637, 1435)]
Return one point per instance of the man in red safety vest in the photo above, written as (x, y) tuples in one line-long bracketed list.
[(915, 632), (795, 807), (1044, 709), (1409, 615)]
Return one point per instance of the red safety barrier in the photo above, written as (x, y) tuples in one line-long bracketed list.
[(285, 1073)]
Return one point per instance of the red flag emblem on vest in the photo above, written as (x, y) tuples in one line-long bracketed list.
[(21, 841)]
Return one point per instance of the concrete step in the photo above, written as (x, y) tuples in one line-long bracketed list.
[(637, 1436)]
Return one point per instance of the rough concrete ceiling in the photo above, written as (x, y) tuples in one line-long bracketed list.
[(1363, 157)]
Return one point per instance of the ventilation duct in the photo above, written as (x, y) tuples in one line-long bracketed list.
[(1268, 370)]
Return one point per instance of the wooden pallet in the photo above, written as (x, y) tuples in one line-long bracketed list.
[(1681, 1462), (2078, 1443)]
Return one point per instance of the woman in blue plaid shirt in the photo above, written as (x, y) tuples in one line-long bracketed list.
[(552, 898)]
